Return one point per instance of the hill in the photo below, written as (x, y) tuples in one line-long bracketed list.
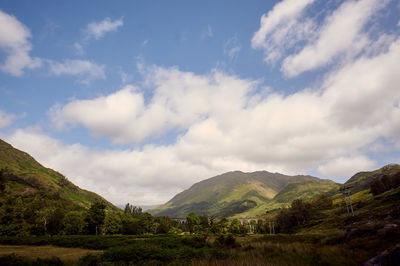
[(238, 194), (25, 176), (363, 180)]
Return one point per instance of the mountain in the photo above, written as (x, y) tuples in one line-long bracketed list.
[(238, 194), (25, 177), (362, 180)]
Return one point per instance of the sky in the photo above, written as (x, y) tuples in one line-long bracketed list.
[(138, 100)]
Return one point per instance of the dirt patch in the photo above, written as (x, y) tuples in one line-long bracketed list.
[(33, 252)]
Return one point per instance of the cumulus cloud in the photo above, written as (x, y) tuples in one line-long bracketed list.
[(342, 166), (84, 69), (14, 42), (293, 32), (347, 22), (282, 27), (225, 125), (150, 176), (180, 99)]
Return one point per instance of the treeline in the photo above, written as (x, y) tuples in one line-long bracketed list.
[(290, 219), (384, 183)]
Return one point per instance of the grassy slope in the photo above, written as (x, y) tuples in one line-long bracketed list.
[(362, 180), (26, 175), (306, 190), (238, 194)]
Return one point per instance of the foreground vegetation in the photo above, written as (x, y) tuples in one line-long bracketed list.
[(41, 210), (318, 232)]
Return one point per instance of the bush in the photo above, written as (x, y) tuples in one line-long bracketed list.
[(90, 260), (228, 241), (14, 260)]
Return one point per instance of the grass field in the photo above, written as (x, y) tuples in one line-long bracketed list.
[(67, 255)]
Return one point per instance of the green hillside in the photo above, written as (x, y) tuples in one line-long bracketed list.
[(238, 194), (362, 180), (24, 176)]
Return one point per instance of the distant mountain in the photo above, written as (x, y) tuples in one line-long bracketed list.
[(362, 180), (238, 194), (24, 176)]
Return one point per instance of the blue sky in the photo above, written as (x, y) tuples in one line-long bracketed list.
[(137, 100)]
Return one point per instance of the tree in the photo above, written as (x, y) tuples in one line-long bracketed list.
[(133, 210), (146, 222), (55, 223), (73, 223), (192, 221), (223, 225), (322, 202), (290, 218), (234, 227), (3, 178), (113, 224), (130, 225), (95, 218), (164, 224)]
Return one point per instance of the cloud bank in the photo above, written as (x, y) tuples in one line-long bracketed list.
[(226, 123)]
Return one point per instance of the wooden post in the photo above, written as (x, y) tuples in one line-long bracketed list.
[(270, 229), (273, 228), (351, 206)]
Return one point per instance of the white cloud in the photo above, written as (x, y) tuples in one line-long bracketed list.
[(14, 41), (341, 33), (293, 31), (180, 99), (98, 29), (344, 167), (282, 27), (86, 70), (5, 119), (226, 126), (150, 176)]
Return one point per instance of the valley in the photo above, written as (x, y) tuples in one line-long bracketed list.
[(41, 209)]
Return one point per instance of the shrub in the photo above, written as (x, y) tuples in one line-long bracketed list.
[(228, 241), (14, 260)]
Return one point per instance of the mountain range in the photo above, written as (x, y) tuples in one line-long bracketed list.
[(233, 194), (238, 194)]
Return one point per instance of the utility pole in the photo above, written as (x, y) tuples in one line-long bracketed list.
[(270, 229), (346, 194), (351, 206)]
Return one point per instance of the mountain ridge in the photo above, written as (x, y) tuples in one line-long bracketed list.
[(237, 193), (25, 176)]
